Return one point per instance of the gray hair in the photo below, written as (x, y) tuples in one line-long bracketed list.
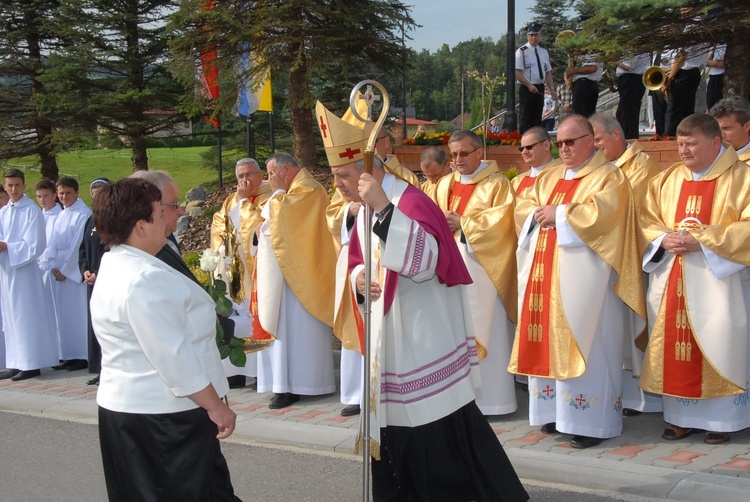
[(476, 141), (282, 158), (434, 154), (246, 160), (360, 164), (158, 178), (608, 122)]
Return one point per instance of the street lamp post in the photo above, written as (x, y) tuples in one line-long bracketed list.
[(511, 122)]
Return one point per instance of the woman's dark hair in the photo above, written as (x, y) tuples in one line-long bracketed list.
[(118, 207)]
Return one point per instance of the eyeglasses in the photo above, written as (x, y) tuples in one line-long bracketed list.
[(568, 142), (463, 155), (171, 204), (529, 147)]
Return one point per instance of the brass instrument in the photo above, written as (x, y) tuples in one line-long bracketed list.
[(564, 35), (707, 69), (654, 78), (610, 78)]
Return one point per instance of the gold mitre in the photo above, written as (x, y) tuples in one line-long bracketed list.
[(344, 142)]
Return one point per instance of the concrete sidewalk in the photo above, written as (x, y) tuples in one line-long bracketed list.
[(638, 462)]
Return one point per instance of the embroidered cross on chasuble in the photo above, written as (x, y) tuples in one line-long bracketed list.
[(683, 359), (534, 329), (526, 182)]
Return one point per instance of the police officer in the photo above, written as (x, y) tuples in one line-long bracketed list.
[(533, 70)]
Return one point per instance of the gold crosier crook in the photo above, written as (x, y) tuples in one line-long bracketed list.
[(370, 97)]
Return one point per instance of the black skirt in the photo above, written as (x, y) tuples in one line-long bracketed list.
[(457, 458), (163, 457)]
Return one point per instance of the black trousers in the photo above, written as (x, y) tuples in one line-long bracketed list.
[(631, 89), (659, 105), (681, 102), (714, 90), (530, 108), (456, 458), (163, 457), (585, 97)]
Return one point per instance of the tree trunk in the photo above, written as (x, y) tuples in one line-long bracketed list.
[(140, 154), (300, 104), (737, 73), (50, 169)]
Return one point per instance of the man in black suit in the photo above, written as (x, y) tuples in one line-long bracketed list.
[(89, 257)]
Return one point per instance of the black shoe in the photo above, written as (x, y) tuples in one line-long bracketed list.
[(283, 400), (351, 410), (583, 442), (77, 364), (236, 381), (93, 381), (550, 428), (62, 365), (25, 375), (8, 373), (630, 412)]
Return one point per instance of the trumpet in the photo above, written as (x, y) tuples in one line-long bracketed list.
[(654, 78), (609, 76), (564, 35)]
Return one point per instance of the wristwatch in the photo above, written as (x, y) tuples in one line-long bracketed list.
[(380, 215)]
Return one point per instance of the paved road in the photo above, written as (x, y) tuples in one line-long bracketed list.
[(53, 460)]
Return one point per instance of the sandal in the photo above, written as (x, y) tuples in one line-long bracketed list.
[(716, 437), (675, 432)]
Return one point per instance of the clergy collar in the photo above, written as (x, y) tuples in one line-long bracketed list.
[(700, 174), (534, 171), (466, 178), (574, 171), (744, 148)]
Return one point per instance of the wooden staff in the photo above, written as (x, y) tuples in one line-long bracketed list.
[(369, 160)]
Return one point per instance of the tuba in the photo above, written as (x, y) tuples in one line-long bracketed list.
[(564, 35)]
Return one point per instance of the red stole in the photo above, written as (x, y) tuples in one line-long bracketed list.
[(683, 359), (459, 197), (526, 182), (534, 328), (258, 332)]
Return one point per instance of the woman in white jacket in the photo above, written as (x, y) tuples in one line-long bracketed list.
[(161, 380)]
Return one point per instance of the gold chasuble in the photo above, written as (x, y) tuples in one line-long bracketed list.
[(697, 347), (639, 167), (600, 210), (223, 233), (302, 244), (486, 208), (744, 156)]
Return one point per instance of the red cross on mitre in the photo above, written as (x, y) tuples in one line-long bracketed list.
[(580, 400), (323, 127), (349, 153), (548, 390)]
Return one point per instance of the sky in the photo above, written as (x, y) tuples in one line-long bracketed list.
[(453, 21)]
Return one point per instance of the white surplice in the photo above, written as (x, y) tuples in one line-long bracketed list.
[(300, 360), (30, 338), (70, 295)]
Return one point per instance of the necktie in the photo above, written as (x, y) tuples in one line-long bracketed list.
[(539, 65)]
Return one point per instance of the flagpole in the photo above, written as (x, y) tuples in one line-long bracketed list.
[(270, 125), (221, 167), (367, 317)]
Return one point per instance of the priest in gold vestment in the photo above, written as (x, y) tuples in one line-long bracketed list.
[(579, 278), (733, 115), (696, 220), (435, 164), (232, 230), (639, 167), (295, 277), (536, 150), (478, 202)]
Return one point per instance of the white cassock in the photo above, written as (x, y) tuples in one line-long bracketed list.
[(50, 284), (591, 404), (243, 320), (30, 338), (70, 295), (300, 360), (351, 371)]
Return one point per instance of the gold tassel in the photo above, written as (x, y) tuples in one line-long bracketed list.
[(682, 351), (677, 351), (689, 354)]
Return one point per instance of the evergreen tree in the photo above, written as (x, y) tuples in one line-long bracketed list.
[(27, 36), (551, 14), (297, 38), (111, 74)]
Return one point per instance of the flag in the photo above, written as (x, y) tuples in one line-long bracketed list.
[(209, 69), (255, 93)]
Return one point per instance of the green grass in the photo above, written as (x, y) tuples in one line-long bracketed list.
[(184, 164)]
